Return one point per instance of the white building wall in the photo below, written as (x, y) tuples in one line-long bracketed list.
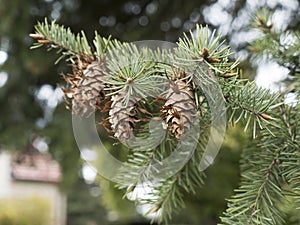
[(5, 176), (10, 188)]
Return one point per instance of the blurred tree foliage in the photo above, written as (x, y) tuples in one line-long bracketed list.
[(24, 113), (92, 212)]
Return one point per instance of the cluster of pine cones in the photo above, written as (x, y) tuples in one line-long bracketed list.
[(88, 92)]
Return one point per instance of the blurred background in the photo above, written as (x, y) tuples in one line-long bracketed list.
[(36, 129)]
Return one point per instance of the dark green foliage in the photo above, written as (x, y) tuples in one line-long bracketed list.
[(84, 208)]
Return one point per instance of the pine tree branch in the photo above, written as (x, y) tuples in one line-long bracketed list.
[(255, 201), (203, 46), (287, 124), (262, 189), (138, 75), (276, 45), (70, 46), (168, 195), (291, 161), (250, 103), (244, 99), (134, 74), (268, 167), (141, 162), (58, 37)]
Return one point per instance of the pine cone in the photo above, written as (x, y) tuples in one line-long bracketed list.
[(87, 87), (179, 109), (90, 90), (122, 117)]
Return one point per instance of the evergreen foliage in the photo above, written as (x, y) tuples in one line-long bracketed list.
[(270, 167), (70, 46), (277, 45)]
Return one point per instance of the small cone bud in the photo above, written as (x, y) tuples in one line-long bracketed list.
[(131, 188), (129, 80), (204, 53), (43, 41), (155, 209), (228, 75), (37, 36), (213, 60), (260, 20), (266, 116)]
